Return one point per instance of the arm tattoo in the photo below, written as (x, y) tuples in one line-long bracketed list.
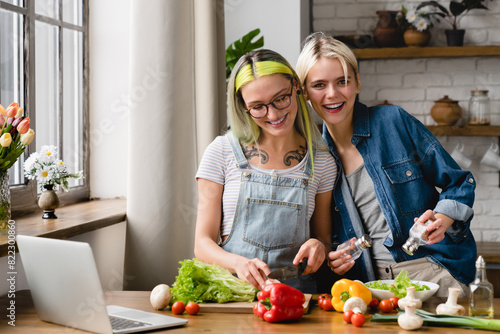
[(287, 160), (254, 152)]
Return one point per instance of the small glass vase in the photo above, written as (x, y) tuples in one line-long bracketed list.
[(48, 202), (4, 201)]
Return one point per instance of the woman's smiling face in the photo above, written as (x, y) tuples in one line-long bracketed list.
[(330, 92), (267, 89)]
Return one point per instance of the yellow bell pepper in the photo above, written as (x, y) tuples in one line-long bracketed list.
[(344, 289)]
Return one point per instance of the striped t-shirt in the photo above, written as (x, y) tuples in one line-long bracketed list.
[(219, 165)]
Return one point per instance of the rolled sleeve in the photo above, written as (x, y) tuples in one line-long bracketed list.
[(461, 213)]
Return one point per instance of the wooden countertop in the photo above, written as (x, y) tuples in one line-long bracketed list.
[(71, 220), (316, 321)]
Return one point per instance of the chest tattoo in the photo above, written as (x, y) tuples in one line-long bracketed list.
[(294, 155), (254, 152)]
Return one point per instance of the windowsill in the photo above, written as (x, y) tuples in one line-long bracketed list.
[(71, 220)]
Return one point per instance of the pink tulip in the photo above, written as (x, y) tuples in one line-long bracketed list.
[(2, 120), (12, 109), (2, 111), (24, 126), (6, 140)]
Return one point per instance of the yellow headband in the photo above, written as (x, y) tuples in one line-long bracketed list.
[(246, 74)]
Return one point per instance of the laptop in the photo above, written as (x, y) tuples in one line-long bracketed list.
[(66, 289)]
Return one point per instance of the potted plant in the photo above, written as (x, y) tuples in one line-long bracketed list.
[(238, 48), (454, 36), (415, 25)]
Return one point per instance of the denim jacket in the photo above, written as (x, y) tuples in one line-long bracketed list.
[(406, 164)]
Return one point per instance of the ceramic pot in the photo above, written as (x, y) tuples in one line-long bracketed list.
[(48, 202), (413, 37), (455, 37), (387, 32), (446, 111)]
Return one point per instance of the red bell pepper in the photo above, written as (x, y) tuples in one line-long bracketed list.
[(279, 302)]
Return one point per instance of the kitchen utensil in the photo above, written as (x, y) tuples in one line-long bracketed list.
[(292, 271), (422, 295)]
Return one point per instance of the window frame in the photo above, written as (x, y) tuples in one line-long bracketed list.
[(24, 197)]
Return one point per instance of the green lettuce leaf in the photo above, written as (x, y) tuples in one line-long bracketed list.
[(398, 287), (201, 282)]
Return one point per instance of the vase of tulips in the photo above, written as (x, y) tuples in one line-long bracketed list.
[(15, 136)]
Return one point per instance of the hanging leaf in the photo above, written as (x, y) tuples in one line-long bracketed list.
[(238, 48)]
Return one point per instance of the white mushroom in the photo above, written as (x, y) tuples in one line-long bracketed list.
[(160, 296), (356, 304), (451, 307), (410, 320), (410, 298)]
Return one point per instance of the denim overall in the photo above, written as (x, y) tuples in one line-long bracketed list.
[(271, 220)]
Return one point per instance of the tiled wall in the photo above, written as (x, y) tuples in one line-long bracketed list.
[(415, 84)]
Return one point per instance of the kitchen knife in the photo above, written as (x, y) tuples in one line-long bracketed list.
[(292, 271)]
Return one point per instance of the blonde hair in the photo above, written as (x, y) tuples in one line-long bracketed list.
[(250, 67), (317, 46)]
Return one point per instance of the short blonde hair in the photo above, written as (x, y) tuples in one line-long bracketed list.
[(319, 45)]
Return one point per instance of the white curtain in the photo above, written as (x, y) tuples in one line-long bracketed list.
[(177, 57)]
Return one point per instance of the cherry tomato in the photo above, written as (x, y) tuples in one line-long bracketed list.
[(373, 304), (385, 306), (394, 300), (322, 299), (348, 316), (327, 304), (192, 308), (178, 307), (358, 319)]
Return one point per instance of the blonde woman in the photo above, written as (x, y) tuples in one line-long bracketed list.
[(390, 169), (265, 187)]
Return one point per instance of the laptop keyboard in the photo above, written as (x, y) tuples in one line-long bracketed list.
[(118, 323)]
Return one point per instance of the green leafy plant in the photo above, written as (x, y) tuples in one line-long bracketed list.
[(457, 9), (238, 48)]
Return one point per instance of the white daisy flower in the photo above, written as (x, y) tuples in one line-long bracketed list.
[(411, 15), (29, 163), (421, 24), (44, 174), (48, 154)]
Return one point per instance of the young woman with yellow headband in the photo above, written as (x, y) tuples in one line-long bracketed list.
[(265, 187)]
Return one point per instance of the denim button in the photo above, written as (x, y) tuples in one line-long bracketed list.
[(471, 180), (337, 208), (409, 173), (246, 174), (305, 181)]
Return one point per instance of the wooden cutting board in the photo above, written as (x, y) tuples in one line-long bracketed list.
[(241, 307)]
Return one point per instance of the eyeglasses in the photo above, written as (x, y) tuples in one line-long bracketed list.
[(279, 103)]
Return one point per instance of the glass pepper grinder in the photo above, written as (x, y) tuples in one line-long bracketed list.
[(481, 293), (418, 237), (354, 246), (479, 108)]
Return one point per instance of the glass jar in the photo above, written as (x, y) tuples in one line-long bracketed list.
[(479, 108)]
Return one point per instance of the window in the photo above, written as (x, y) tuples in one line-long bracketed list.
[(43, 47)]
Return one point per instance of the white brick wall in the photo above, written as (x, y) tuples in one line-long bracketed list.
[(415, 84)]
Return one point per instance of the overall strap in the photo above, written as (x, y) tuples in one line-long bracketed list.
[(237, 151), (308, 165)]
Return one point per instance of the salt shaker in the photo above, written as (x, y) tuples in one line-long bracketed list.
[(354, 246), (479, 108), (418, 237)]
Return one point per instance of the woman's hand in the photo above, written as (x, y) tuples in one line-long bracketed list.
[(254, 271), (339, 262), (440, 223), (315, 252)]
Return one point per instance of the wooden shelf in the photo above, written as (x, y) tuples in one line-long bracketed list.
[(428, 52), (445, 130)]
